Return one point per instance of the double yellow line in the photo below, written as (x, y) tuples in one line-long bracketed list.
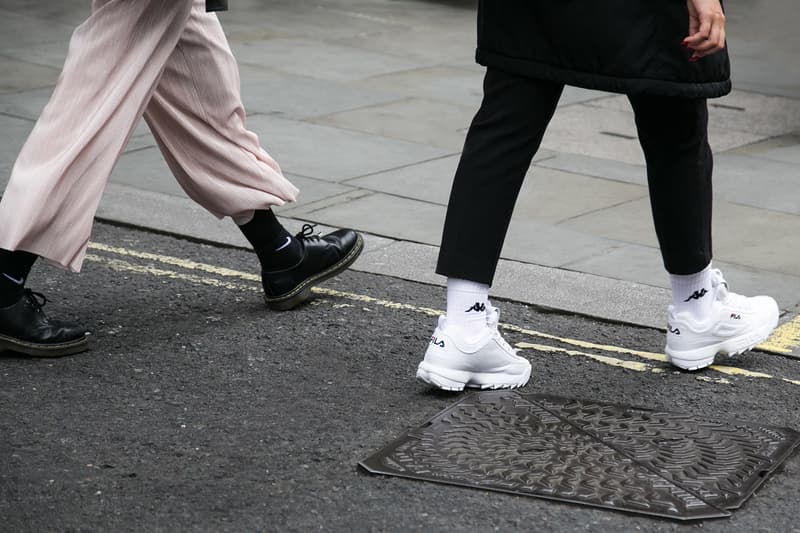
[(784, 340)]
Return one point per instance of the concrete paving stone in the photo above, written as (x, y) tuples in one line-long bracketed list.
[(20, 75), (326, 18), (417, 120), (307, 211), (553, 196), (430, 181), (15, 131), (313, 191), (629, 222), (596, 132), (740, 110), (611, 134), (182, 216), (757, 182), (784, 154), (757, 238), (387, 216), (424, 44), (46, 54), (404, 260), (547, 245), (309, 20), (628, 262), (145, 169), (598, 167), (64, 12), (783, 148), (300, 97), (165, 212), (333, 154), (764, 42), (578, 292), (22, 30), (440, 83), (140, 140), (25, 104), (759, 113), (643, 264), (578, 95), (318, 59)]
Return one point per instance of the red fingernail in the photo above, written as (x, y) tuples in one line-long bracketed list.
[(693, 59)]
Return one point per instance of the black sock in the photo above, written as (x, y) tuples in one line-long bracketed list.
[(14, 269), (275, 247)]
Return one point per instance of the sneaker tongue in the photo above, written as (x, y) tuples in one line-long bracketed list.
[(492, 317)]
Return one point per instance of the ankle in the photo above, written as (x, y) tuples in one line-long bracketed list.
[(693, 293)]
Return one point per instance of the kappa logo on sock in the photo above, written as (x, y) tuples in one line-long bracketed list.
[(437, 342), (697, 295), (478, 308), (674, 331)]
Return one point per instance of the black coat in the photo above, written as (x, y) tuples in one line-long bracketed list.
[(216, 5), (624, 46)]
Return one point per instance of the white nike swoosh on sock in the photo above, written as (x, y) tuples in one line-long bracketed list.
[(284, 245), (19, 281)]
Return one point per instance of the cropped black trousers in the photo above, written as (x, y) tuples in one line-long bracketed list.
[(505, 135)]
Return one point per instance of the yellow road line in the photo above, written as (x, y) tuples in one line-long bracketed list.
[(120, 265), (612, 361), (785, 339)]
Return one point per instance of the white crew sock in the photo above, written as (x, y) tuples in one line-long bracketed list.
[(467, 302), (692, 293)]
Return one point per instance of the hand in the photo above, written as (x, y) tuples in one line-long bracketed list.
[(706, 28)]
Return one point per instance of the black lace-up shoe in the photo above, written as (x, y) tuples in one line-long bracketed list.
[(24, 328), (323, 257)]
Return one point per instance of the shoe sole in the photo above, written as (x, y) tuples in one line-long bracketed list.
[(704, 357), (35, 349), (302, 292), (456, 380)]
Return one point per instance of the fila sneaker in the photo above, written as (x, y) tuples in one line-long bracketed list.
[(484, 361), (736, 324)]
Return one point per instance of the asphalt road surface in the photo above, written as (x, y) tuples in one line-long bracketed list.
[(198, 409)]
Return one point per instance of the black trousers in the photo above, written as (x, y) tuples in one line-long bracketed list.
[(505, 135)]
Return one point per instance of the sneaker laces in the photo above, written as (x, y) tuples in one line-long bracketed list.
[(724, 294), (493, 321)]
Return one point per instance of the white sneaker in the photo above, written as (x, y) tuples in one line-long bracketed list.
[(485, 361), (736, 324)]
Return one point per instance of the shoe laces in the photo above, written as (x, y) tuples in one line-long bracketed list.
[(36, 299), (307, 233)]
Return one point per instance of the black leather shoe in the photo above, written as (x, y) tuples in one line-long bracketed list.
[(323, 257), (24, 328)]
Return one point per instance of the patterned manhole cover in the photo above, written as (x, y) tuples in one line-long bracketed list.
[(612, 456)]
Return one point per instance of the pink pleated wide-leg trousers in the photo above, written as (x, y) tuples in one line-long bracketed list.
[(170, 61)]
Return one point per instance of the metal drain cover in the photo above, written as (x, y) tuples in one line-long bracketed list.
[(611, 456)]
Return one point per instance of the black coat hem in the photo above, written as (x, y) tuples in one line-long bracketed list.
[(600, 82)]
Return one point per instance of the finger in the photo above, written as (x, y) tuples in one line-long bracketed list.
[(715, 41)]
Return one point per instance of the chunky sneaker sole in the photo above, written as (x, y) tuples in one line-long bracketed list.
[(703, 357), (453, 363), (735, 324), (302, 292), (35, 349), (456, 380)]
